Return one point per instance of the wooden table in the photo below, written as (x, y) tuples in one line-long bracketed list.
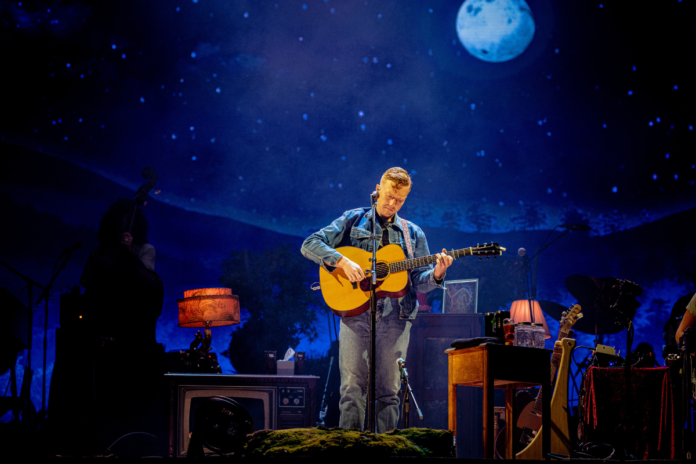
[(499, 366)]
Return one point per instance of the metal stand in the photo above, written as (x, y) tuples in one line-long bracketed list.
[(371, 407), (408, 394), (530, 287), (26, 400), (324, 405), (44, 296)]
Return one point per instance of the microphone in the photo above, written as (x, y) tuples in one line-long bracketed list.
[(375, 195), (522, 252), (69, 250), (578, 227), (402, 369)]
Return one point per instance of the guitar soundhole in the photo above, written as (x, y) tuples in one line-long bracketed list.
[(382, 270)]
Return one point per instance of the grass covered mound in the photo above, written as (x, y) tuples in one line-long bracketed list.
[(349, 443), (434, 443)]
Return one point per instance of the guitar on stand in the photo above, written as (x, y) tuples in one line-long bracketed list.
[(530, 418), (347, 299), (528, 423)]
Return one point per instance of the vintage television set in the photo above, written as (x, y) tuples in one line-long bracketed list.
[(274, 402)]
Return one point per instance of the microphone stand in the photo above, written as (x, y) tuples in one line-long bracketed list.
[(324, 405), (44, 296), (408, 394), (30, 325), (527, 264), (371, 407), (543, 247)]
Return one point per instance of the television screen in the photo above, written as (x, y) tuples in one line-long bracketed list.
[(258, 401)]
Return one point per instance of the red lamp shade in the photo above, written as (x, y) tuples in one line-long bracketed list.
[(214, 306), (519, 312)]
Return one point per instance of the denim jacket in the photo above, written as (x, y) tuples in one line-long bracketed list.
[(354, 229)]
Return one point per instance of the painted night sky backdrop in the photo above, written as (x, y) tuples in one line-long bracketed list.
[(266, 120)]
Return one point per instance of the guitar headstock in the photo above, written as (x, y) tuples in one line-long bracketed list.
[(570, 317), (487, 249)]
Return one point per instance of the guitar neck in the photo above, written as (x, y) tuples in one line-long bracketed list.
[(426, 260), (555, 363)]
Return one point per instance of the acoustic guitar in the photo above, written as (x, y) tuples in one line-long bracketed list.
[(530, 418), (527, 417), (560, 432), (347, 299)]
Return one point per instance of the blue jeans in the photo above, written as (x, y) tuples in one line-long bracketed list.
[(392, 336)]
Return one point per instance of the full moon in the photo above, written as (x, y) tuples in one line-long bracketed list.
[(495, 30)]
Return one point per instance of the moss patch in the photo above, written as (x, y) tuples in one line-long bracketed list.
[(349, 443), (434, 443)]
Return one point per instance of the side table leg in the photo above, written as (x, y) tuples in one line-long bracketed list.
[(452, 411), (546, 420), (509, 426), (488, 438)]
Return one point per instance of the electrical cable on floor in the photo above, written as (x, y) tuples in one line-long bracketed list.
[(587, 447), (124, 436)]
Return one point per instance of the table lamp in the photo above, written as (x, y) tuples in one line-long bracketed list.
[(520, 312), (206, 308)]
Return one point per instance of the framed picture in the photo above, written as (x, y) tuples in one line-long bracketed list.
[(461, 297)]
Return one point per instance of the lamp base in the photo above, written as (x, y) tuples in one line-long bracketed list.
[(203, 340), (192, 362)]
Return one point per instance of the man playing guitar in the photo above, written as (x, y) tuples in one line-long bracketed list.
[(394, 314)]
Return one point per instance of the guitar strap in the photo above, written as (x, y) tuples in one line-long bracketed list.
[(407, 237)]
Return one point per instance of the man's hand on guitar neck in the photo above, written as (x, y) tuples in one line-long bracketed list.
[(352, 270), (443, 262)]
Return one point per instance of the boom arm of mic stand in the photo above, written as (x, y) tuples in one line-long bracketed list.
[(517, 268), (562, 234), (28, 280)]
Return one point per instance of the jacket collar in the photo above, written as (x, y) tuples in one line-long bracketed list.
[(396, 223)]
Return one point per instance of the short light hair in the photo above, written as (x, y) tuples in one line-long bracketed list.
[(398, 176)]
